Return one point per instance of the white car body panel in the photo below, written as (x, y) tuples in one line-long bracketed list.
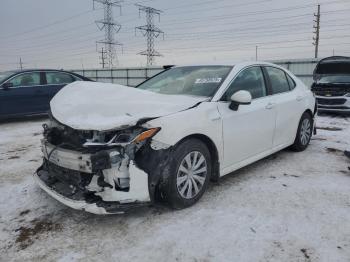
[(242, 141), (201, 120)]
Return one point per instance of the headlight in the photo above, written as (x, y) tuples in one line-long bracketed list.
[(348, 94), (146, 134)]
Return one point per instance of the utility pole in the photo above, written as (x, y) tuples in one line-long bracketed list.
[(256, 53), (316, 38), (103, 57), (150, 31), (20, 63), (111, 28)]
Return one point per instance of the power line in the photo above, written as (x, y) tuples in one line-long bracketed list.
[(111, 28), (150, 31), (48, 25)]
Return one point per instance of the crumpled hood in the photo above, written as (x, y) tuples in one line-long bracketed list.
[(102, 107)]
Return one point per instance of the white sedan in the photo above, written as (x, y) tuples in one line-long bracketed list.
[(109, 148)]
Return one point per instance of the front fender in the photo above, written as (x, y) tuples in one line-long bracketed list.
[(203, 119)]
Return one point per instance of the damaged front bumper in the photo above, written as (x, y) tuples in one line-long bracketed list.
[(105, 182)]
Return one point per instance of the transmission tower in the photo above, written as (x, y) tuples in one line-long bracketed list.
[(316, 38), (111, 28), (150, 31), (103, 57)]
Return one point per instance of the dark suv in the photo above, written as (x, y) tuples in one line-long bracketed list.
[(28, 92), (332, 84)]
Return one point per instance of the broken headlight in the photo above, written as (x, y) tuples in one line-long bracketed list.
[(123, 138), (127, 138)]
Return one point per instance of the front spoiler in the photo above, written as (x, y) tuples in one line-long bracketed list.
[(97, 207)]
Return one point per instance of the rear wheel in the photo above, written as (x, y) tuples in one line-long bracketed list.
[(190, 171), (304, 133)]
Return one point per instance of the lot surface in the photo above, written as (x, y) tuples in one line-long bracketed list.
[(287, 207)]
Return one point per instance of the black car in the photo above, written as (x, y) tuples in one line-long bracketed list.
[(28, 92), (332, 84)]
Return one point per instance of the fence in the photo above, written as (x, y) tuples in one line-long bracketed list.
[(303, 68), (124, 76)]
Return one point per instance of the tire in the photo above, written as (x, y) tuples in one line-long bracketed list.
[(183, 189), (304, 133)]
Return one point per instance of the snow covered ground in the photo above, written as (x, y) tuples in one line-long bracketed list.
[(287, 207)]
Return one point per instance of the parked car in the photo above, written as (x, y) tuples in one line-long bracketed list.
[(332, 84), (28, 92), (112, 150)]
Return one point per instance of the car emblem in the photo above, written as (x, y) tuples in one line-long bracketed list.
[(328, 95)]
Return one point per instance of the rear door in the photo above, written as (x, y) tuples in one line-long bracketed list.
[(23, 97), (287, 101)]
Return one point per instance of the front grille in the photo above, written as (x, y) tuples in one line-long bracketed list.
[(332, 102), (68, 176), (331, 90), (336, 108), (330, 93)]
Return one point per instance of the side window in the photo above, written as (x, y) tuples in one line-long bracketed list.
[(56, 78), (250, 79), (26, 79), (278, 80), (290, 82)]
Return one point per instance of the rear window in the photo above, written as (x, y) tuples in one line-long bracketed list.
[(335, 79), (290, 82), (278, 80), (55, 78)]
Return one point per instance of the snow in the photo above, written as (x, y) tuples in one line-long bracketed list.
[(287, 207), (102, 106)]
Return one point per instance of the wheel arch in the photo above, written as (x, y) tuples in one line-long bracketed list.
[(214, 154)]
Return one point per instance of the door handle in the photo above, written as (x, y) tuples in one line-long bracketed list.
[(270, 105), (299, 98)]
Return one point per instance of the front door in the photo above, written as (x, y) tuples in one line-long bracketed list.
[(249, 130), (23, 97)]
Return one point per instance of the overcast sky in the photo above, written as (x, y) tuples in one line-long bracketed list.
[(62, 34)]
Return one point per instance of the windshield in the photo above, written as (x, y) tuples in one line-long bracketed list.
[(335, 79), (4, 75), (189, 80)]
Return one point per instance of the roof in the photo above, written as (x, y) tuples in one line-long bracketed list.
[(17, 71), (238, 63), (35, 69)]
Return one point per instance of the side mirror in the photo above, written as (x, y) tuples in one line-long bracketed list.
[(241, 97), (7, 85)]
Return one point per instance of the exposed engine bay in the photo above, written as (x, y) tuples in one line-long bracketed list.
[(107, 169)]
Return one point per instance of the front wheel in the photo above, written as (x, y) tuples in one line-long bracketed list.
[(304, 133), (190, 170)]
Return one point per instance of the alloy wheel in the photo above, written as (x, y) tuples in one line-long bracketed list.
[(305, 131), (191, 174)]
